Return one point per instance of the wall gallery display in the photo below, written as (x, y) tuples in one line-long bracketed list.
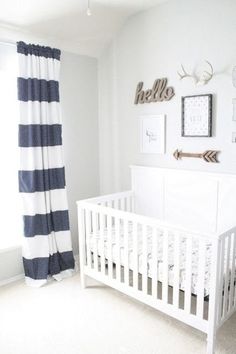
[(197, 116), (152, 134)]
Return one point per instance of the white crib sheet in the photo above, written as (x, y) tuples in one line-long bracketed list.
[(195, 257)]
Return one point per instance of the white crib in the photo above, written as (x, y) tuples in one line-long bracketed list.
[(170, 243)]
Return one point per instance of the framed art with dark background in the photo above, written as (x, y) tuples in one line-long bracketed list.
[(197, 116)]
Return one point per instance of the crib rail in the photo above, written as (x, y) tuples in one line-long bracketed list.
[(119, 201), (106, 228)]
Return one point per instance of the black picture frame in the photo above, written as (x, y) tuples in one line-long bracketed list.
[(208, 116)]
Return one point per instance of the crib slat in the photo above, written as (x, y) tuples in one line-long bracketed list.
[(155, 234), (135, 256), (126, 252), (234, 265), (232, 286), (165, 267), (176, 271), (221, 279), (132, 204), (116, 204), (82, 244), (117, 236), (128, 204), (144, 258), (88, 237), (102, 238), (201, 278), (109, 246), (226, 285), (188, 276), (122, 204), (95, 237)]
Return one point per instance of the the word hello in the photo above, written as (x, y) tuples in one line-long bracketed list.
[(159, 92)]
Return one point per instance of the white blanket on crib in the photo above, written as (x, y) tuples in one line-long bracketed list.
[(182, 260)]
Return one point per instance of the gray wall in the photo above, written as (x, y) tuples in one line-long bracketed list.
[(79, 92), (78, 88), (152, 45)]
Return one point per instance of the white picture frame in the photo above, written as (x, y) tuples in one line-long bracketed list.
[(152, 134)]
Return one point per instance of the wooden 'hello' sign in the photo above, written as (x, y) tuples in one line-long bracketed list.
[(158, 93)]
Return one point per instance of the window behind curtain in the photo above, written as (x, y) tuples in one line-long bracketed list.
[(10, 219)]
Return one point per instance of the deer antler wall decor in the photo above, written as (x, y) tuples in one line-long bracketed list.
[(201, 80)]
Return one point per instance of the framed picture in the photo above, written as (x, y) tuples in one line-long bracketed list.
[(234, 109), (197, 116), (233, 137), (152, 134)]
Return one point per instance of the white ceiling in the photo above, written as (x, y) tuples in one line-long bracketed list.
[(66, 22)]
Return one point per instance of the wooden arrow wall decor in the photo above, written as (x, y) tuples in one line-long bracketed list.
[(208, 155)]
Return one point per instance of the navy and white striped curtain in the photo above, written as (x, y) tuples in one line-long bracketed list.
[(47, 249)]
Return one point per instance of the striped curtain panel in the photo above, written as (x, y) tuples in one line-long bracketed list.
[(47, 249)]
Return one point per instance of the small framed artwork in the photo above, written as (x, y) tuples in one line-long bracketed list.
[(197, 116), (234, 109), (152, 134), (233, 137)]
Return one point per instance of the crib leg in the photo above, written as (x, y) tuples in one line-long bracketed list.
[(82, 245), (211, 341), (83, 280)]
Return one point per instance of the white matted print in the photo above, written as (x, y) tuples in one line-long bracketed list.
[(152, 134)]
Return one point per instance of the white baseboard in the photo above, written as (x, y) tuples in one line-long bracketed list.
[(12, 279)]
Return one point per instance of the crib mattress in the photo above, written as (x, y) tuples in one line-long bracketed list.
[(159, 264)]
